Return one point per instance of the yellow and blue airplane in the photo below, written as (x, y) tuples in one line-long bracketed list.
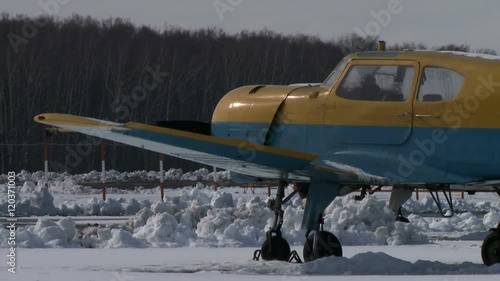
[(407, 119)]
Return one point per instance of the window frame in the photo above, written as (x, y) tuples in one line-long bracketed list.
[(381, 62), (421, 76), (346, 61)]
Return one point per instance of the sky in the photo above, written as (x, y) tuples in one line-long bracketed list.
[(434, 22)]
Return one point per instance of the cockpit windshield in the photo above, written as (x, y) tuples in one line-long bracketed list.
[(332, 78)]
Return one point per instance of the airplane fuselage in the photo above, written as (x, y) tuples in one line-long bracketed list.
[(442, 125)]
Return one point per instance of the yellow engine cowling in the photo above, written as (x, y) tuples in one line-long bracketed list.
[(247, 112)]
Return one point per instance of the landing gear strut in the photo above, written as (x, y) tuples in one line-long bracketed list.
[(490, 250), (319, 243), (275, 247)]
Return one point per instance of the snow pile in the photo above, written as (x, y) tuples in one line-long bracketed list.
[(40, 202), (465, 226), (368, 222), (202, 217), (165, 224), (120, 238), (196, 219), (379, 264), (46, 233), (427, 205), (202, 174), (369, 263), (164, 230), (491, 219), (28, 186), (240, 226)]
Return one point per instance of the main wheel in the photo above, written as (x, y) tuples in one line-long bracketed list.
[(490, 250), (276, 249), (327, 245)]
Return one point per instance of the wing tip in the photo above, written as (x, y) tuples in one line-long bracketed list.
[(40, 117), (44, 118)]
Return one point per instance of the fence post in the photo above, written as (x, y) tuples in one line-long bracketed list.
[(269, 189)]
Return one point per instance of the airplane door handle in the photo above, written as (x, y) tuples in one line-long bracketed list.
[(406, 114), (426, 116)]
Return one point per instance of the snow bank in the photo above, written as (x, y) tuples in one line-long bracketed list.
[(40, 202), (215, 220), (427, 205), (377, 264), (198, 216), (368, 222), (491, 219), (239, 226), (46, 233), (202, 174)]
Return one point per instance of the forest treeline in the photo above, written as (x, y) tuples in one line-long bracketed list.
[(114, 70)]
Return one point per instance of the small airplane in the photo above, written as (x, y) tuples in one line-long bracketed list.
[(406, 119)]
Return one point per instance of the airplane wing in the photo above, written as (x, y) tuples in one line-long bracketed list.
[(239, 156)]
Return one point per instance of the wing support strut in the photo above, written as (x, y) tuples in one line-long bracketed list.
[(446, 190)]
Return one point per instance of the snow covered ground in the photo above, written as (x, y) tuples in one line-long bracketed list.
[(441, 261), (199, 233)]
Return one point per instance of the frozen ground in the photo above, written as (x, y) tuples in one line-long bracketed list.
[(441, 261), (198, 233)]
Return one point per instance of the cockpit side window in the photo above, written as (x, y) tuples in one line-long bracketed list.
[(334, 76), (391, 83), (439, 84)]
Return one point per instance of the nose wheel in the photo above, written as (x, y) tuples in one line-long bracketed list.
[(490, 250)]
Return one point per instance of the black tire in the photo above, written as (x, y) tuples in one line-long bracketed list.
[(280, 249), (328, 245), (490, 250)]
